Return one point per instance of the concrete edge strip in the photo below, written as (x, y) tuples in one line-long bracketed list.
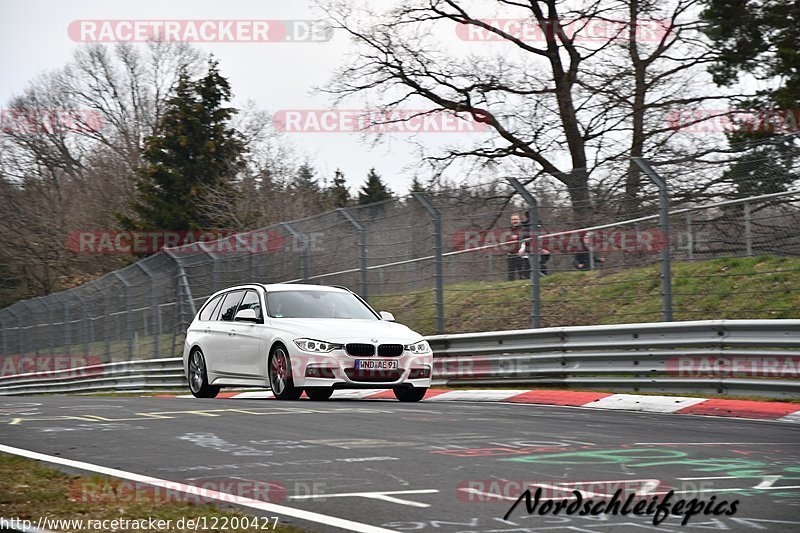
[(301, 514), (745, 409)]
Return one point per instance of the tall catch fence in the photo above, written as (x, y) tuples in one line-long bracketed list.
[(448, 262)]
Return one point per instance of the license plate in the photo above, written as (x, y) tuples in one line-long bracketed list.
[(376, 364)]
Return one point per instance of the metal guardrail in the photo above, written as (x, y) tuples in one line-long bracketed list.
[(121, 377), (633, 357), (638, 357)]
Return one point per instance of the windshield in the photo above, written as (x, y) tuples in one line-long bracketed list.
[(317, 304)]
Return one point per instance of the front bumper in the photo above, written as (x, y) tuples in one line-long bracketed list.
[(340, 370)]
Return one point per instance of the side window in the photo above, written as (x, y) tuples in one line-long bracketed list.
[(218, 310), (228, 307), (208, 310), (251, 301)]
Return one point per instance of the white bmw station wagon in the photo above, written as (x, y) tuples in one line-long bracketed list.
[(291, 338)]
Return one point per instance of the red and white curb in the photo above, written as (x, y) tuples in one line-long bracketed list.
[(780, 411)]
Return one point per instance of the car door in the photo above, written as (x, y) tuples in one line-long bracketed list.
[(220, 338), (248, 339), (200, 331)]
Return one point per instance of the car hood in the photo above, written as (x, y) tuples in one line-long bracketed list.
[(333, 329)]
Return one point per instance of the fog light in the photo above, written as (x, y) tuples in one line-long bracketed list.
[(419, 373), (319, 372)]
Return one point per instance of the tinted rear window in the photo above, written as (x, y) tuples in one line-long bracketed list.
[(205, 314), (228, 307)]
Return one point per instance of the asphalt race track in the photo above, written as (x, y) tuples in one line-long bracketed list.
[(431, 466)]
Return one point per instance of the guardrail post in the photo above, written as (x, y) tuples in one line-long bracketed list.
[(153, 305), (748, 230), (436, 217), (689, 237), (362, 248), (533, 221), (129, 314), (304, 249), (663, 217)]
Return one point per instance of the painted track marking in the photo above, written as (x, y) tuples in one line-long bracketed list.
[(301, 514)]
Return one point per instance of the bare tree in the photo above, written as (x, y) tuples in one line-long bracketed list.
[(555, 96), (70, 145)]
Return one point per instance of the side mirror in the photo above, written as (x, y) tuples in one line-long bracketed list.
[(247, 315), (386, 315)]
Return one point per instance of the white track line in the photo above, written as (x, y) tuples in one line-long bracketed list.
[(342, 523)]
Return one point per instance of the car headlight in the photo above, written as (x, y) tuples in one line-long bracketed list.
[(313, 345), (419, 347)]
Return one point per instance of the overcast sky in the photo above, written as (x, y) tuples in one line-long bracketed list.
[(275, 75)]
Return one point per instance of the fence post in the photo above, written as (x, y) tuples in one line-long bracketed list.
[(245, 246), (4, 334), (362, 248), (533, 221), (183, 287), (107, 310), (128, 313), (748, 230), (35, 335), (67, 332), (436, 217), (689, 236), (51, 338), (28, 347), (20, 345), (304, 258), (663, 217), (153, 305), (84, 331)]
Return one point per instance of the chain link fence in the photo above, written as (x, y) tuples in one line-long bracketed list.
[(446, 262)]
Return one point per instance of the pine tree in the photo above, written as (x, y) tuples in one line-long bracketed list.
[(193, 151), (374, 190), (306, 180), (306, 191), (417, 186), (338, 195), (759, 39)]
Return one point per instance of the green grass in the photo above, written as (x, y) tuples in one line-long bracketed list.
[(30, 490), (731, 288), (751, 287)]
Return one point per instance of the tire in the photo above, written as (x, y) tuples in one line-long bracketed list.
[(410, 394), (198, 377), (279, 370), (319, 393)]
